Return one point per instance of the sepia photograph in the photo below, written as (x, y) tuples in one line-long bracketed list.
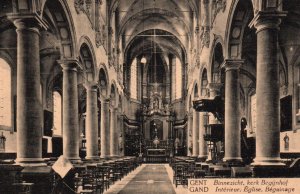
[(149, 96)]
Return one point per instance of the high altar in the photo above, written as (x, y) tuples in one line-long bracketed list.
[(157, 126)]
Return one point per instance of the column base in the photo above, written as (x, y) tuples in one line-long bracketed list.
[(267, 161), (34, 162), (202, 158), (104, 156), (41, 176), (208, 161), (92, 158), (233, 160), (74, 160), (270, 171)]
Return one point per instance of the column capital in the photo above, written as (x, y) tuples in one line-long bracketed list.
[(91, 86), (29, 21), (69, 64), (267, 20), (232, 64)]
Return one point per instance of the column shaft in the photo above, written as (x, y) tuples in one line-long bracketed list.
[(29, 114), (70, 110), (113, 133), (195, 133), (232, 112), (91, 123), (173, 67), (202, 143), (105, 133), (121, 136), (267, 92), (189, 134)]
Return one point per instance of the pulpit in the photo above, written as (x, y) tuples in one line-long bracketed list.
[(214, 132)]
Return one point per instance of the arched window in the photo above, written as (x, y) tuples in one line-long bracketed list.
[(57, 114), (5, 94), (178, 79), (204, 83), (133, 79)]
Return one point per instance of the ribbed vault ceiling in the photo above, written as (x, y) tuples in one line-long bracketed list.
[(171, 19)]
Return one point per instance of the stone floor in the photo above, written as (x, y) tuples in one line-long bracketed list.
[(148, 179)]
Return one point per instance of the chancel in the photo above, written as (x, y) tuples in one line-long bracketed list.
[(138, 96)]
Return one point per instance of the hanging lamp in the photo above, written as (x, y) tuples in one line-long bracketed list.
[(143, 59)]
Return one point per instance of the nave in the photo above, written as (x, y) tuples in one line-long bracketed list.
[(147, 179), (211, 88)]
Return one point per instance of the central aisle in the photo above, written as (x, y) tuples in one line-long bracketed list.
[(150, 179)]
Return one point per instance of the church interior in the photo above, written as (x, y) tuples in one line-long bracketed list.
[(94, 91)]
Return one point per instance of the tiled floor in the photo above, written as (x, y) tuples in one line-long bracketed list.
[(149, 175)]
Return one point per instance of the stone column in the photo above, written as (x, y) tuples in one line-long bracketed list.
[(121, 138), (232, 111), (105, 133), (195, 133), (29, 102), (70, 110), (189, 134), (267, 90), (172, 61), (91, 122), (139, 74), (113, 133), (202, 143)]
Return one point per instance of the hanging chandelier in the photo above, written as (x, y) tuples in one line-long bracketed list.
[(143, 60)]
